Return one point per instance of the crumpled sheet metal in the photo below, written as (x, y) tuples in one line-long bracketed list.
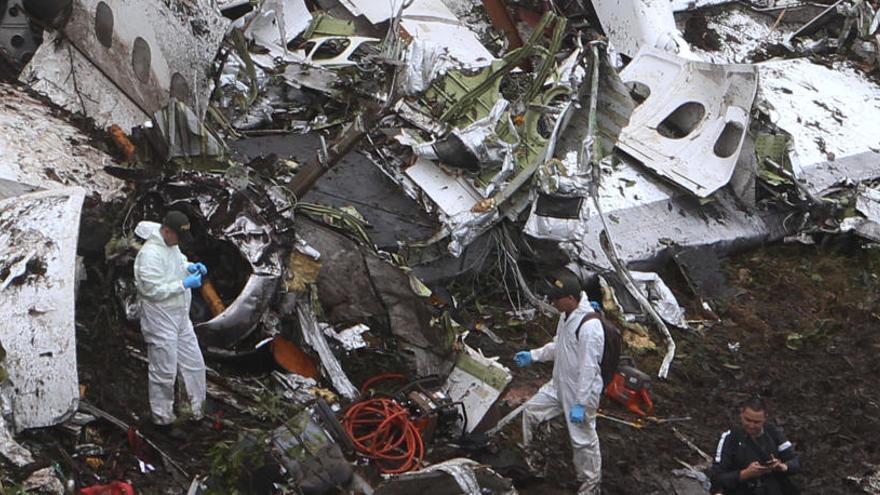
[(660, 297), (565, 171), (38, 148), (691, 127), (314, 337), (54, 67), (239, 320), (649, 220), (868, 225), (148, 50), (11, 450), (827, 111), (430, 21), (641, 24), (37, 305), (183, 133), (424, 63), (278, 22), (468, 477)]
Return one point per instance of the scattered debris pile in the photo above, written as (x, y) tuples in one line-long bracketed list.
[(361, 177)]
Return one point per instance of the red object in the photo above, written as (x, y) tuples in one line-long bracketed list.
[(139, 447), (114, 488), (381, 429), (630, 398)]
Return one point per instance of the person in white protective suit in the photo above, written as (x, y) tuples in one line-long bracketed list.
[(164, 279), (576, 386)]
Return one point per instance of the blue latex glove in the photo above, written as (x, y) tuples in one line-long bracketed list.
[(523, 358), (197, 268), (577, 414), (194, 281)]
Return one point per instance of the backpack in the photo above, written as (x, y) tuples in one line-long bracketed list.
[(613, 345)]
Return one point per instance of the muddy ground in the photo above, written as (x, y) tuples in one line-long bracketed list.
[(806, 321)]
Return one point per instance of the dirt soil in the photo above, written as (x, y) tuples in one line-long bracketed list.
[(806, 321)]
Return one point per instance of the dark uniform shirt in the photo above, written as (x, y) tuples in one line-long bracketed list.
[(736, 450)]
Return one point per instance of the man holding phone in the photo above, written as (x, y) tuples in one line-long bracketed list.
[(754, 458)]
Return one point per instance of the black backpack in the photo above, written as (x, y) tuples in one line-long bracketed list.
[(613, 345)]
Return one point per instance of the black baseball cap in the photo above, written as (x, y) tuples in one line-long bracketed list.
[(178, 222), (559, 283)]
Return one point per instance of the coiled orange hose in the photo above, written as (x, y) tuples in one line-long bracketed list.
[(382, 430)]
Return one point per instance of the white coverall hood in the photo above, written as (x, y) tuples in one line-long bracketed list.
[(577, 380), (172, 345)]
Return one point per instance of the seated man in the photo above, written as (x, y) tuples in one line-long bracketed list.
[(754, 458)]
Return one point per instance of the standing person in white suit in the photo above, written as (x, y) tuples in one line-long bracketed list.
[(576, 386), (164, 279)]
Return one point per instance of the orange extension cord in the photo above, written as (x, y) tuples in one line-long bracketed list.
[(381, 430)]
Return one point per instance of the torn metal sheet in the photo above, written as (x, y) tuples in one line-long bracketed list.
[(11, 450), (277, 23), (868, 225), (649, 219), (37, 305), (660, 297), (425, 62), (821, 178), (146, 51), (350, 338), (458, 476), (826, 110), (429, 21), (379, 293), (38, 148), (183, 134), (640, 24), (54, 67), (477, 382), (356, 181), (239, 320), (314, 337), (453, 194), (690, 128)]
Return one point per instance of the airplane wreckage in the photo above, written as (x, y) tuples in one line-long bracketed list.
[(343, 161)]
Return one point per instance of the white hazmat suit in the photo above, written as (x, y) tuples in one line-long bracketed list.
[(172, 345), (577, 379)]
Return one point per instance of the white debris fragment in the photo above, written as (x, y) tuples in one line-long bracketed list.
[(660, 297), (831, 112), (477, 382), (429, 21), (351, 338), (278, 22)]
